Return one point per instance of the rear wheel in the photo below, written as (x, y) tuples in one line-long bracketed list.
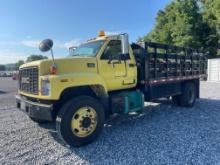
[(80, 121), (188, 96)]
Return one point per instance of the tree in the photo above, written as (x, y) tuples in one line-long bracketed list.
[(35, 58), (2, 67), (211, 12), (177, 23), (18, 64), (211, 15), (183, 23)]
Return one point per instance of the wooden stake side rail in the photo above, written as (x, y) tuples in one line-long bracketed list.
[(160, 63)]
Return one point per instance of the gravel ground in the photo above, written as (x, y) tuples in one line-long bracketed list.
[(162, 134)]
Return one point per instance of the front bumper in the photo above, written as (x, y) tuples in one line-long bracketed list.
[(34, 109)]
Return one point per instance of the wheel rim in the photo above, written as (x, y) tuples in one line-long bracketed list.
[(84, 122)]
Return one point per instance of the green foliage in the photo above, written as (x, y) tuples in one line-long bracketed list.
[(10, 67), (211, 14), (29, 59), (18, 64), (189, 23), (35, 58), (2, 67)]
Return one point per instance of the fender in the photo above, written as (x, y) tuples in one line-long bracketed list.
[(61, 82)]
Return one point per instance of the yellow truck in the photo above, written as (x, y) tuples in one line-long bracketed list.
[(104, 76)]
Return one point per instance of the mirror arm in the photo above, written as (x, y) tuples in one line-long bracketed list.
[(51, 50)]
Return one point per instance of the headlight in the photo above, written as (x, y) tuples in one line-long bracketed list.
[(45, 87)]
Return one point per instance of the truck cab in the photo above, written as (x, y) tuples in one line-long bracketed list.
[(98, 62)]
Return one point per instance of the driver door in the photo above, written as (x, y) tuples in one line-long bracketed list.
[(111, 68)]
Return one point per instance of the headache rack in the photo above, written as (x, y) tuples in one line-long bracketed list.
[(161, 63)]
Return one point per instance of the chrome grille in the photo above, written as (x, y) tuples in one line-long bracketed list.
[(28, 80)]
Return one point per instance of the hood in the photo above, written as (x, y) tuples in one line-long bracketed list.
[(65, 65)]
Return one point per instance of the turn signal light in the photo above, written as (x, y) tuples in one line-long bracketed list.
[(53, 69)]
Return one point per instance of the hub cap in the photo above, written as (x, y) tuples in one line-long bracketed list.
[(84, 121)]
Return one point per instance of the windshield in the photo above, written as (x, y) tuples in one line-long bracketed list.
[(88, 49)]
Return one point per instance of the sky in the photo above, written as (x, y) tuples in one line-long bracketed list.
[(24, 23)]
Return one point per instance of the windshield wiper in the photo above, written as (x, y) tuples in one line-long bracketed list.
[(76, 54)]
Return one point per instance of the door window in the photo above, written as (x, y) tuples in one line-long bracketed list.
[(113, 50)]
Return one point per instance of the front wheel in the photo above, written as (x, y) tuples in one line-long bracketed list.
[(80, 121)]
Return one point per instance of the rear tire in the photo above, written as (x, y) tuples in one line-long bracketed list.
[(188, 96), (87, 126)]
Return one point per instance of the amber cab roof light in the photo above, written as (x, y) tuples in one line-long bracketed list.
[(101, 33)]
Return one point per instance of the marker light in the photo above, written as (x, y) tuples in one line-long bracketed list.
[(101, 33), (53, 69)]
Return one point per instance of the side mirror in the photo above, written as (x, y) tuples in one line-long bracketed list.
[(46, 45), (124, 43)]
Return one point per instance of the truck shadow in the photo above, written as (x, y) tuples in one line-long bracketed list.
[(2, 92), (163, 133)]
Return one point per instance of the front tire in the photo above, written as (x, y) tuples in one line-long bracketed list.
[(80, 121)]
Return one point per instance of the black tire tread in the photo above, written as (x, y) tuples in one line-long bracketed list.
[(62, 115)]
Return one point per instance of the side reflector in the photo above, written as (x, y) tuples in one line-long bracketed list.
[(64, 80)]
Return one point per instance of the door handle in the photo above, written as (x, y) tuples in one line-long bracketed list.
[(113, 62)]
